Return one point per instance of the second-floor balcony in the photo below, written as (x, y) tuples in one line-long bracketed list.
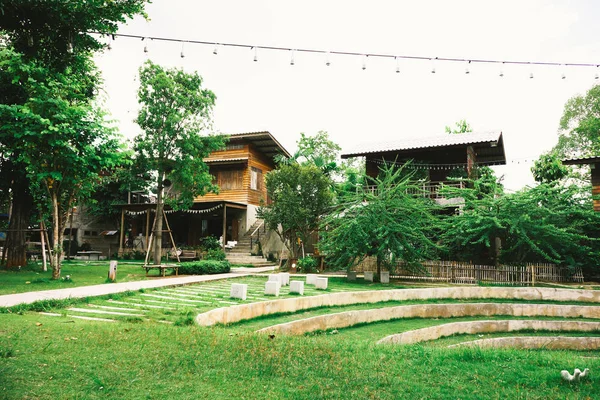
[(432, 190)]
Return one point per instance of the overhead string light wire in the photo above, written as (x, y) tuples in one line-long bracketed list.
[(396, 57)]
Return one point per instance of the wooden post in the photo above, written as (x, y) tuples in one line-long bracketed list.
[(147, 226), (224, 225), (532, 275), (122, 233)]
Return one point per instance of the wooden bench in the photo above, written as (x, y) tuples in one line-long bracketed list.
[(162, 268), (185, 255)]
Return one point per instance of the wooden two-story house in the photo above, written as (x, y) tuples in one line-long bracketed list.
[(437, 157), (239, 171)]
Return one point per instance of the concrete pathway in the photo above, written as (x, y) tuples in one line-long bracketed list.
[(10, 300)]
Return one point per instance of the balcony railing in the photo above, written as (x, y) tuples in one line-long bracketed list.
[(429, 189)]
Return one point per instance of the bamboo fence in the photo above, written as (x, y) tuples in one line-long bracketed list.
[(465, 273)]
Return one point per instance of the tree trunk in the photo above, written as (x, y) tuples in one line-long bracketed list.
[(158, 227), (16, 245), (379, 268), (58, 233)]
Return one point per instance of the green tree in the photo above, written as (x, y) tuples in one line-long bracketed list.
[(49, 37), (547, 223), (579, 133), (386, 217), (461, 126), (175, 109), (549, 169), (300, 195), (318, 150), (59, 137)]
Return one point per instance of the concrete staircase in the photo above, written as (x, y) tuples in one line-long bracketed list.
[(240, 254)]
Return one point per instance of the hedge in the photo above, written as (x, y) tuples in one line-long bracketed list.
[(204, 267)]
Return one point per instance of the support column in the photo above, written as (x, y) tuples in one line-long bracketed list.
[(224, 225), (122, 233), (470, 162)]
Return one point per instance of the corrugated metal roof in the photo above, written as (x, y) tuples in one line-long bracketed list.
[(268, 144), (225, 160), (424, 142), (581, 160)]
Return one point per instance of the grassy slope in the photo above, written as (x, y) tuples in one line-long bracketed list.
[(92, 360)]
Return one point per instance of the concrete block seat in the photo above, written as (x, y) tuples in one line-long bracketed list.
[(162, 268)]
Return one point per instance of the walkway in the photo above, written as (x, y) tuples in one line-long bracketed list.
[(11, 300)]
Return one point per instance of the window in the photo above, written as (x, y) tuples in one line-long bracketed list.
[(256, 179), (230, 179)]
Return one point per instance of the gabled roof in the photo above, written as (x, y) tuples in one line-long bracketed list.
[(493, 139), (263, 141)]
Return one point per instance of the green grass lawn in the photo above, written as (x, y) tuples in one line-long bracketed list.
[(89, 360), (82, 273)]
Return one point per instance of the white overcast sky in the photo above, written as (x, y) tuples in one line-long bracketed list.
[(376, 104)]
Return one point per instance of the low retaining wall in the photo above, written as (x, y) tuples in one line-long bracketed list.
[(228, 315), (536, 342), (474, 327), (350, 318)]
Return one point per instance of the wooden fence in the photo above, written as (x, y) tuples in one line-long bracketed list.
[(464, 273)]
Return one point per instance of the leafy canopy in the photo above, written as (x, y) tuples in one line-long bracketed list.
[(175, 110), (388, 217), (300, 194)]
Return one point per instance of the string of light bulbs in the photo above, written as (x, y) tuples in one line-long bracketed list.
[(450, 166), (468, 62)]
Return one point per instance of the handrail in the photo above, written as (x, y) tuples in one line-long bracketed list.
[(259, 226)]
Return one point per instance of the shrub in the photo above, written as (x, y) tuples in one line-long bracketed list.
[(215, 254), (210, 243), (307, 264), (204, 267)]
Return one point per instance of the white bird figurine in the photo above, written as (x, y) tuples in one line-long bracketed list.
[(568, 377), (582, 374), (577, 374)]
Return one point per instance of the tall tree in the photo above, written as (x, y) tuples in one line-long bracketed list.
[(579, 133), (300, 195), (549, 169), (387, 217), (60, 138), (51, 35), (175, 110)]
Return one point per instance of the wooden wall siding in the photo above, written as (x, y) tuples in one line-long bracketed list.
[(227, 154), (265, 164), (596, 185)]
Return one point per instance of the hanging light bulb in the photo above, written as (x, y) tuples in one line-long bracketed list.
[(145, 45), (397, 65), (467, 72), (182, 54), (530, 73), (215, 52), (255, 53), (596, 76), (292, 62), (364, 62), (109, 45), (433, 65), (328, 59), (502, 70), (563, 75)]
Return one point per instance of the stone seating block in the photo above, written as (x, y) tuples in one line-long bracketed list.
[(285, 279), (238, 291), (369, 276), (321, 283), (272, 288), (385, 277), (275, 278), (311, 279), (351, 275), (297, 287)]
